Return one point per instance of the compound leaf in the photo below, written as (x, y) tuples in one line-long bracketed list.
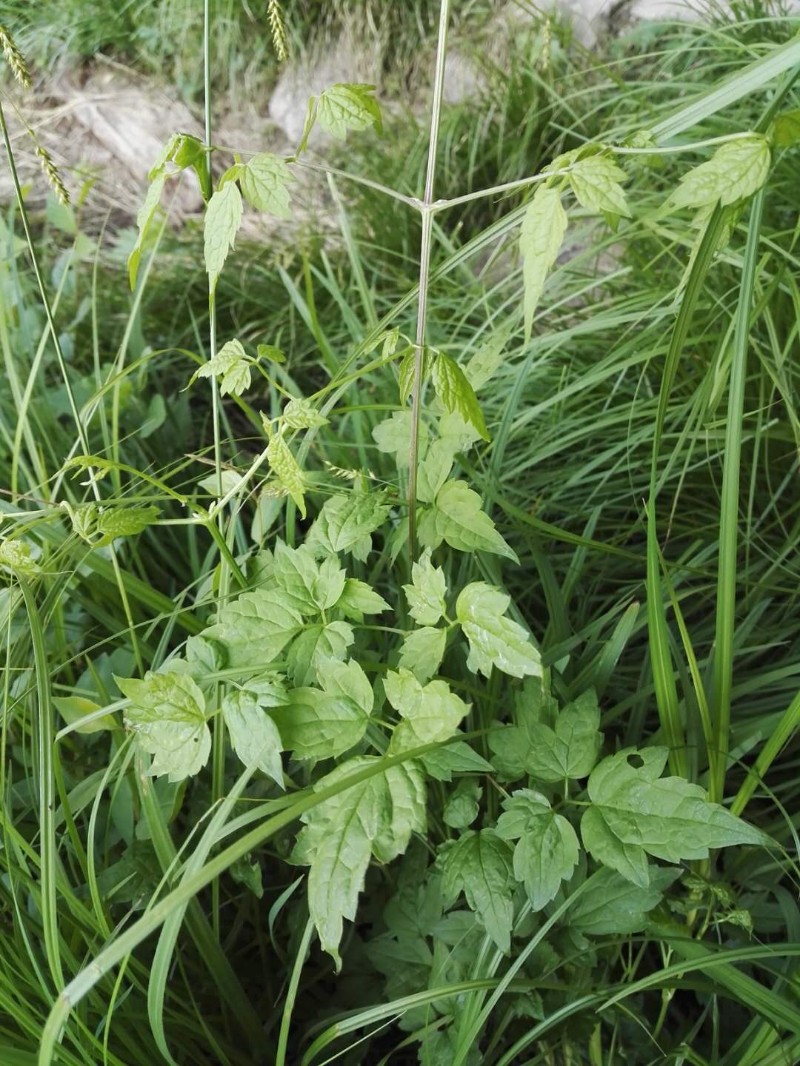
[(596, 184), (547, 847), (735, 171), (479, 865), (254, 735), (265, 183), (222, 221), (167, 713), (255, 628), (431, 712), (459, 520), (345, 524), (345, 107), (494, 640), (427, 591), (570, 749)]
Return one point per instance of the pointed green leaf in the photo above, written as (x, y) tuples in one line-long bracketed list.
[(430, 712), (265, 183), (615, 906), (463, 806), (454, 758), (254, 735), (144, 222), (735, 171), (222, 221), (287, 470), (124, 522), (319, 724), (546, 852), (345, 523), (167, 713), (422, 652), (346, 107), (427, 591), (494, 640), (542, 234), (479, 865), (634, 811), (255, 628), (456, 394), (315, 648), (596, 184), (393, 436), (358, 599), (300, 414), (376, 816), (570, 749), (459, 520)]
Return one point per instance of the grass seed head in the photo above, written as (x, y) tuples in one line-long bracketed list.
[(15, 59)]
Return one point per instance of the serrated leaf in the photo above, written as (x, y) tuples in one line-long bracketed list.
[(459, 520), (167, 713), (255, 628), (463, 806), (430, 712), (265, 181), (345, 523), (456, 394), (345, 107), (300, 414), (540, 240), (422, 652), (406, 372), (636, 813), (287, 470), (124, 521), (454, 758), (595, 181), (494, 640), (16, 556), (547, 847), (222, 220), (254, 735), (224, 360), (393, 436), (433, 470), (358, 599), (488, 358), (376, 816), (310, 587), (735, 171), (144, 222), (570, 749), (315, 648), (270, 353), (322, 724), (615, 906), (427, 591), (479, 865)]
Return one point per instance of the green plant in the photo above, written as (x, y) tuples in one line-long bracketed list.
[(443, 724)]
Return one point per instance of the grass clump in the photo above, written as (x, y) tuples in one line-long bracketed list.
[(400, 641)]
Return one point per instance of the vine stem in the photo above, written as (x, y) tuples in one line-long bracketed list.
[(426, 208)]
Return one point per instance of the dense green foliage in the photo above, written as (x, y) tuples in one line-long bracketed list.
[(401, 630)]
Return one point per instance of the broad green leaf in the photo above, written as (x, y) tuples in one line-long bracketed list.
[(456, 434), (488, 358), (222, 221), (430, 712), (270, 353), (287, 470), (75, 709), (479, 865), (358, 599), (786, 128), (734, 172), (255, 628), (300, 414), (168, 715), (456, 394), (463, 806), (314, 648), (144, 222), (345, 524), (254, 735), (433, 470), (570, 749), (230, 366), (393, 436), (346, 107), (540, 239), (372, 817), (422, 652), (547, 847), (615, 906), (636, 813), (513, 746), (596, 184), (455, 758), (16, 556), (427, 591), (265, 183), (319, 724), (460, 522), (494, 640), (310, 587), (115, 522)]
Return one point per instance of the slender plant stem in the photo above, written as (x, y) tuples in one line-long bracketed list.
[(424, 274)]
